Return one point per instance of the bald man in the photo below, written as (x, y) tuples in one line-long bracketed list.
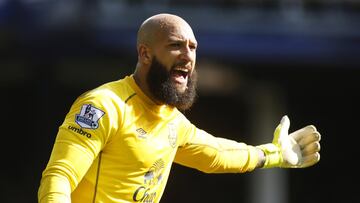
[(118, 141)]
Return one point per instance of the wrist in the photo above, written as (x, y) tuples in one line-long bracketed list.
[(272, 155)]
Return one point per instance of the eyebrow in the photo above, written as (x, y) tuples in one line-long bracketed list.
[(176, 39)]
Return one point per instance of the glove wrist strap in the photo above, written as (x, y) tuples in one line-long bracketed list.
[(273, 157)]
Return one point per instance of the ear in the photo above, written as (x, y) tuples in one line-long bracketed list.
[(144, 54)]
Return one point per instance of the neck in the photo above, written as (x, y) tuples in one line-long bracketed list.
[(140, 80)]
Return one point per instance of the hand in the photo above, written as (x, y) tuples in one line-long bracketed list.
[(301, 148)]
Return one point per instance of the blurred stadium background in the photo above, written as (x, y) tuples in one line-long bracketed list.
[(258, 60)]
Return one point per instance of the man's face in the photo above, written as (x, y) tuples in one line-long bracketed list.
[(166, 84), (175, 49)]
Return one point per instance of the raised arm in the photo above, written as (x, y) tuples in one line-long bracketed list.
[(218, 155)]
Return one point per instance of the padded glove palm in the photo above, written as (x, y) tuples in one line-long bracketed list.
[(300, 149)]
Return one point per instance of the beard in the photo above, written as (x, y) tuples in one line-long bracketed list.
[(164, 90)]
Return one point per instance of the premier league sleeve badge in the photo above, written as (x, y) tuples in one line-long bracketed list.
[(89, 117)]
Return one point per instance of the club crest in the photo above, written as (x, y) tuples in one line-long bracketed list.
[(172, 135), (89, 117)]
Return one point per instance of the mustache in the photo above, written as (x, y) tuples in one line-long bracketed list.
[(183, 64)]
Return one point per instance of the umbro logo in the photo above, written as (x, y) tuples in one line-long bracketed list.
[(141, 133)]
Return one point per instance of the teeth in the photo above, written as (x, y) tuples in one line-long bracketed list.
[(182, 69)]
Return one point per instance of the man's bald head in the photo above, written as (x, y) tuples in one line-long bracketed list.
[(166, 48), (155, 27)]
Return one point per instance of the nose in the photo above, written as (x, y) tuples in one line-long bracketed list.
[(187, 54)]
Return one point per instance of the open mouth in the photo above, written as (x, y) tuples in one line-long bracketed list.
[(181, 72), (180, 75)]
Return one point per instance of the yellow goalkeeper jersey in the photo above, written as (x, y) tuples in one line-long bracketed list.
[(117, 145)]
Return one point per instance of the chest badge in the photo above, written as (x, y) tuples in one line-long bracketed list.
[(172, 135)]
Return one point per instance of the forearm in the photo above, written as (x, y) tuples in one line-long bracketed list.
[(69, 161), (213, 160), (54, 189), (218, 155)]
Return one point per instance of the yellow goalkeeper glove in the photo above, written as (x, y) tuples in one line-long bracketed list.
[(300, 149)]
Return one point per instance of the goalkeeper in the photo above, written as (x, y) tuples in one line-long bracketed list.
[(118, 141)]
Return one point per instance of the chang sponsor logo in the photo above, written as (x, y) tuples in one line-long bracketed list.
[(79, 131), (152, 178)]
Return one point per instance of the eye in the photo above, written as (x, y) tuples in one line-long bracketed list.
[(193, 47), (175, 45)]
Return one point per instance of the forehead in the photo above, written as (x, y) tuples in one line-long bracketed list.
[(177, 31)]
